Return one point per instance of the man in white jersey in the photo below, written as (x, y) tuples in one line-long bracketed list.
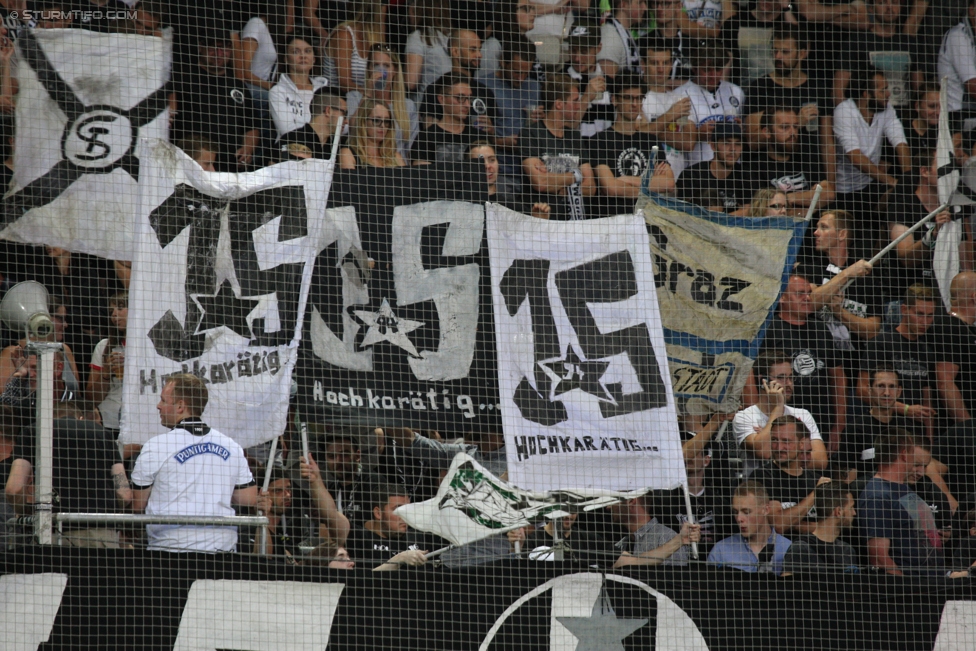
[(190, 470), (712, 100), (957, 61)]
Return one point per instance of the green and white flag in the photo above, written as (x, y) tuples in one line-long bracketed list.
[(472, 504)]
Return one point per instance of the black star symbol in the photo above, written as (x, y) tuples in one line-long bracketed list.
[(225, 309), (571, 372), (87, 123)]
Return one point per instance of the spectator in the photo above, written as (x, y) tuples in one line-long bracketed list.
[(275, 503), (588, 73), (314, 140), (213, 102), (955, 349), (722, 174), (707, 486), (372, 542), (712, 101), (553, 154), (907, 351), (788, 484), (912, 262), (757, 547), (257, 54), (347, 47), (428, 56), (20, 393), (12, 356), (513, 19), (371, 139), (789, 85), (901, 531), (580, 546), (929, 484), (703, 18), (957, 61), (291, 96), (923, 130), (554, 18), (448, 138), (190, 470), (671, 33), (782, 163), (964, 555), (768, 203), (108, 365), (649, 542), (621, 155), (773, 375), (465, 49), (823, 548), (385, 85), (821, 385), (861, 125), (853, 311), (663, 111), (345, 480), (516, 95), (203, 152), (884, 390), (84, 463), (887, 45), (619, 51), (749, 35), (486, 152), (334, 525)]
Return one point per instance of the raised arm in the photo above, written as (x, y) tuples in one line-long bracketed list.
[(689, 533), (335, 522)]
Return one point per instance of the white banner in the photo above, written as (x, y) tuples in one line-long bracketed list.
[(472, 504), (581, 358), (85, 99), (219, 284)]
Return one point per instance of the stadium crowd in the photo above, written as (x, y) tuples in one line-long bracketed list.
[(854, 445)]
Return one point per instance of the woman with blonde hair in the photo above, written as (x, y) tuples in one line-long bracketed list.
[(768, 202), (347, 48), (371, 139), (384, 83)]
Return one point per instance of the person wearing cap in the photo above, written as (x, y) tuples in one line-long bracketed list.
[(314, 139), (619, 50), (586, 71), (620, 155), (723, 174)]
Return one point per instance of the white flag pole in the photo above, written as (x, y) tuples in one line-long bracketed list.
[(691, 517), (267, 482), (335, 140), (813, 202), (303, 428), (924, 220)]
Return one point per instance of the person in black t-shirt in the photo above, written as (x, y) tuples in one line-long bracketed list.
[(909, 355), (586, 71), (212, 102), (465, 50), (723, 174), (385, 539), (823, 549), (554, 156), (483, 150), (749, 36), (819, 382), (857, 446), (448, 138), (886, 47), (621, 155), (922, 131), (851, 312), (953, 339), (784, 165), (314, 139), (786, 480), (789, 85)]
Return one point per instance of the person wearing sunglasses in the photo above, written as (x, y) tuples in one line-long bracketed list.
[(371, 139), (448, 138), (384, 83), (782, 164), (768, 203)]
